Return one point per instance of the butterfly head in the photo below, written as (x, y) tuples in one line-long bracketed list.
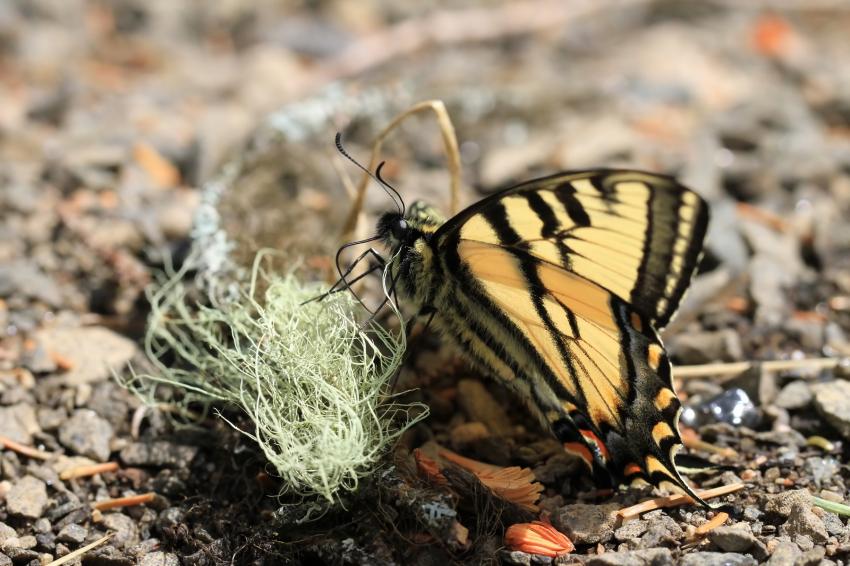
[(398, 230)]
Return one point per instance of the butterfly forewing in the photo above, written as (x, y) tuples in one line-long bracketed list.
[(636, 234)]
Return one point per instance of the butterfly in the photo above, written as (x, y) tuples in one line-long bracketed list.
[(558, 287)]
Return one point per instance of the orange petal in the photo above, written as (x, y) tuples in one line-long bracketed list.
[(513, 483), (538, 538)]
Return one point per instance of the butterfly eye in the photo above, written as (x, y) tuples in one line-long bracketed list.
[(399, 229)]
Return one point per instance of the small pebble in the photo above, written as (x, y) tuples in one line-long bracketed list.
[(159, 558), (27, 498), (87, 434), (795, 395), (717, 559), (587, 524), (803, 522), (831, 402), (72, 534)]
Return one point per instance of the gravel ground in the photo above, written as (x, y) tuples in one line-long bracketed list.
[(115, 118)]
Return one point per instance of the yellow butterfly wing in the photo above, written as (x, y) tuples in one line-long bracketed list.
[(580, 269)]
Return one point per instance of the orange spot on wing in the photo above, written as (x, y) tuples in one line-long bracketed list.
[(632, 470), (579, 450), (591, 437), (637, 323)]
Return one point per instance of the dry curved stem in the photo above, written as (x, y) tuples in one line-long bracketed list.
[(692, 441), (710, 525), (447, 130), (636, 511), (24, 450), (85, 471), (129, 501), (80, 551), (731, 369)]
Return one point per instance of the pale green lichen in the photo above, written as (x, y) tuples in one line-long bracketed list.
[(312, 379)]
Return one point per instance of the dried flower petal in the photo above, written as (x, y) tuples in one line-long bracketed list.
[(538, 537), (513, 483)]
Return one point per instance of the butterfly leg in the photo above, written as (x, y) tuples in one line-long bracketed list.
[(342, 284)]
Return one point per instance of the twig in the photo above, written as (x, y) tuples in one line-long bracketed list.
[(675, 500), (692, 441), (447, 131), (712, 524), (735, 368), (24, 450), (80, 551), (84, 471), (832, 506), (129, 501)]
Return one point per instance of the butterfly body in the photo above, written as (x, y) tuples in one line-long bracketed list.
[(556, 287)]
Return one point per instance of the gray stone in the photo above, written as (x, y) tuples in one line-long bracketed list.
[(587, 524), (734, 538), (21, 555), (782, 503), (159, 558), (160, 454), (25, 278), (51, 419), (833, 523), (631, 530), (515, 558), (813, 557), (803, 521), (821, 469), (42, 526), (647, 557), (717, 559), (26, 541), (707, 346), (109, 555), (804, 542), (795, 395), (46, 541), (87, 434), (37, 360), (73, 534), (27, 498), (94, 352), (5, 560), (831, 402), (6, 532), (126, 530), (19, 423)]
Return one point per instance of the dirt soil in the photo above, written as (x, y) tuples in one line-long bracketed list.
[(120, 120)]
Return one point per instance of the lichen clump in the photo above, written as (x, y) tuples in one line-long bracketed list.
[(312, 379)]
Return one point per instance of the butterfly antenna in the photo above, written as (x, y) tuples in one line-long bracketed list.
[(393, 194), (388, 186)]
